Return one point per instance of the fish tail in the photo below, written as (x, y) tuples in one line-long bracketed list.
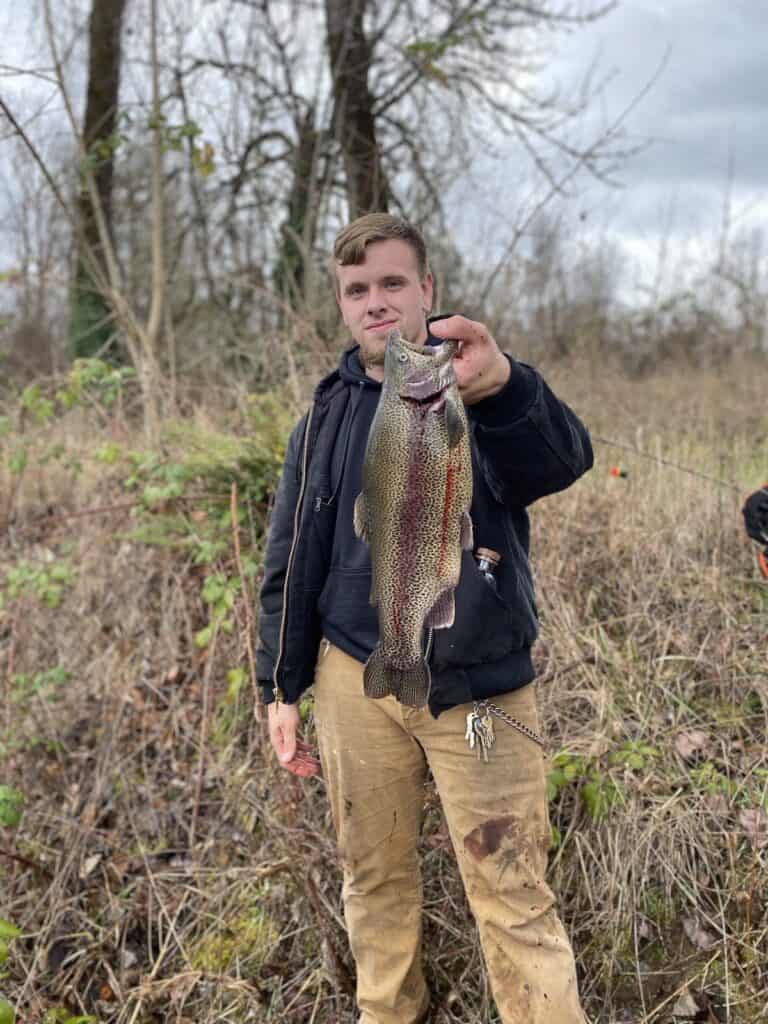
[(409, 685), (414, 685)]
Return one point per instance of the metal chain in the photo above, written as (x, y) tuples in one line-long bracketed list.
[(494, 709)]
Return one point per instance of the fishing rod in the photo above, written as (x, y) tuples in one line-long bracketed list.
[(762, 556)]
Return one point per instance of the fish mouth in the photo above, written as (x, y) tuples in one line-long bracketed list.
[(433, 403), (422, 388), (427, 396), (428, 383)]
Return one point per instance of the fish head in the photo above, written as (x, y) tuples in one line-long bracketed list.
[(418, 373)]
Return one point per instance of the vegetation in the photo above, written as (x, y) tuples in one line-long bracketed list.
[(156, 865)]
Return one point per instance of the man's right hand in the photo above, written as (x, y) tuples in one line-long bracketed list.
[(293, 753)]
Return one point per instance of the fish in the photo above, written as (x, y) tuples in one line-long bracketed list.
[(414, 512)]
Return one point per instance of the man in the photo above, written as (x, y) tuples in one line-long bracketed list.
[(317, 626), (755, 512)]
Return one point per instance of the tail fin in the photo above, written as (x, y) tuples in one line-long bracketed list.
[(410, 685)]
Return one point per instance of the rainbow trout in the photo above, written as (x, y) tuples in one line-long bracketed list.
[(413, 511)]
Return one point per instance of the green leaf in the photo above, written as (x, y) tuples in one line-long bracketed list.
[(11, 801), (18, 461), (203, 637), (8, 930), (7, 1014)]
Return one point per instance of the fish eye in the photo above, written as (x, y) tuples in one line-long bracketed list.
[(402, 357)]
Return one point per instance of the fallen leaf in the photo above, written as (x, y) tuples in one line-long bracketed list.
[(89, 865), (754, 821), (686, 1007), (697, 934), (691, 742), (127, 959)]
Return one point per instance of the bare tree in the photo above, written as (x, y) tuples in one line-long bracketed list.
[(90, 325), (354, 117)]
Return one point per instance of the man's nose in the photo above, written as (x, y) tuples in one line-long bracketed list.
[(377, 298)]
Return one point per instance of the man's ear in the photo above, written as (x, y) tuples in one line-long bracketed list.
[(427, 292)]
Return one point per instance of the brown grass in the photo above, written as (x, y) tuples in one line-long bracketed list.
[(166, 871)]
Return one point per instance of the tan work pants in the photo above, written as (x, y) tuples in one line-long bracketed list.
[(375, 755)]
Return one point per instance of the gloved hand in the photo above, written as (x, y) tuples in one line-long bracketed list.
[(755, 512)]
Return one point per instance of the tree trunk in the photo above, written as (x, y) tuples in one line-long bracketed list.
[(91, 319), (300, 226), (353, 119)]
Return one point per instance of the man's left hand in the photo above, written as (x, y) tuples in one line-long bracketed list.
[(481, 367)]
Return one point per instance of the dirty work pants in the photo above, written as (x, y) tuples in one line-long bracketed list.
[(375, 755)]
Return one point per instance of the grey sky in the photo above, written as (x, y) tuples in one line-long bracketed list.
[(706, 112)]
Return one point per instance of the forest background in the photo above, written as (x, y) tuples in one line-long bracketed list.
[(174, 176)]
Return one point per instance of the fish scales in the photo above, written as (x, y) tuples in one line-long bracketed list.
[(414, 512)]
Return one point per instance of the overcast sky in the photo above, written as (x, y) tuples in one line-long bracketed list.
[(706, 111)]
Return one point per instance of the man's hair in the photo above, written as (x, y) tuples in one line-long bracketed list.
[(350, 243)]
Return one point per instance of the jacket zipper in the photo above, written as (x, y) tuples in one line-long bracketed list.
[(291, 554)]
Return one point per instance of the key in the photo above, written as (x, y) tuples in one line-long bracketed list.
[(482, 740), (469, 735), (487, 721)]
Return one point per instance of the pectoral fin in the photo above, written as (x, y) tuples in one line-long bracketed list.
[(360, 518), (454, 422), (467, 532), (442, 612)]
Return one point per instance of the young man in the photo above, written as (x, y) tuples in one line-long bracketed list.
[(317, 626)]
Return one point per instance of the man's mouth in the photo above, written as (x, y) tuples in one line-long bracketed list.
[(381, 326)]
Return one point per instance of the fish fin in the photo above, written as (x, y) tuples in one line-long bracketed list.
[(454, 422), (414, 685), (410, 685), (360, 518), (442, 612), (378, 679), (467, 532)]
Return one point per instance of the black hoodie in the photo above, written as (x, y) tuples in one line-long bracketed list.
[(526, 443)]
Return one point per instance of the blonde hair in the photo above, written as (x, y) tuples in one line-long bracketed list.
[(349, 245)]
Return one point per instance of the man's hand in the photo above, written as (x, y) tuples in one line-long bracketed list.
[(482, 369), (292, 753)]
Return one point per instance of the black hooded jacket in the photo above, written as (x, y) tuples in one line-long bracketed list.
[(526, 443)]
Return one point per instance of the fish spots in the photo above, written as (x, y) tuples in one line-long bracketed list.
[(486, 839), (450, 487), (347, 808), (409, 534)]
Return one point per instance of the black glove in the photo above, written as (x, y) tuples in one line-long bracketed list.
[(755, 513)]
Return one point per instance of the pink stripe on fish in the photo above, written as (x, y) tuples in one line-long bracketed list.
[(450, 487), (409, 520)]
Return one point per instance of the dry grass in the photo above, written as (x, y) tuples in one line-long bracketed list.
[(166, 871)]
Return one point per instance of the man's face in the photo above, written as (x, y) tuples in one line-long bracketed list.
[(381, 293)]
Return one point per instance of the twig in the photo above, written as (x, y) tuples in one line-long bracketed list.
[(203, 733), (27, 862), (249, 626), (588, 659), (338, 967)]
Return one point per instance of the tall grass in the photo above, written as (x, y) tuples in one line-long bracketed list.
[(165, 870)]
